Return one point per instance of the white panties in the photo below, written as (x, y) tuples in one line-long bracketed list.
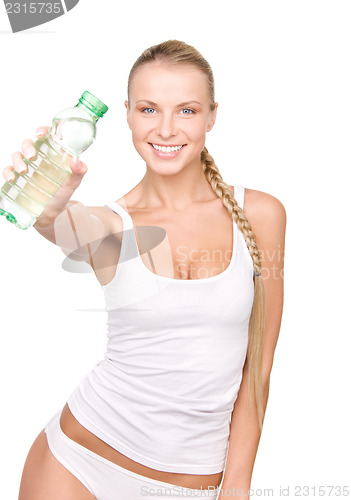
[(107, 480)]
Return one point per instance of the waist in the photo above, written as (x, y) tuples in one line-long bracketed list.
[(78, 433)]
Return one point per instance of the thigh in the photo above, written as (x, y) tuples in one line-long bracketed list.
[(44, 477)]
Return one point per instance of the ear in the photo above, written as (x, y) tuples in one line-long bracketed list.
[(128, 115), (212, 118)]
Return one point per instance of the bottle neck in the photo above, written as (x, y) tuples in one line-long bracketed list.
[(87, 110)]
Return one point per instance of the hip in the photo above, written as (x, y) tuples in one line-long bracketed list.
[(78, 433)]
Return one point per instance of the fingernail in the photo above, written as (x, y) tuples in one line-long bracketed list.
[(10, 177), (28, 153), (40, 131), (20, 167), (77, 162)]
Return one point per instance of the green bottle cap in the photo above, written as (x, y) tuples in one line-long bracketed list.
[(93, 103)]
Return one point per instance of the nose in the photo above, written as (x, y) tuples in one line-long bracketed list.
[(166, 125)]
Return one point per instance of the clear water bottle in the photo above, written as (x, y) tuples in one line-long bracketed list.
[(72, 131)]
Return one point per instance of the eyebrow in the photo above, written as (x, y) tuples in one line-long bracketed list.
[(181, 104)]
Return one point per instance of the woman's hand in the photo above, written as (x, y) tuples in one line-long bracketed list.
[(65, 191), (77, 229)]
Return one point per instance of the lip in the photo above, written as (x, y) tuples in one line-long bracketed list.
[(166, 156)]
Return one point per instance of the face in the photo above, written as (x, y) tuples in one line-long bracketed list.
[(169, 115)]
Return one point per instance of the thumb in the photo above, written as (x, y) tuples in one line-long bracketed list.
[(77, 166)]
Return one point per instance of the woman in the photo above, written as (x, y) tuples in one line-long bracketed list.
[(193, 316)]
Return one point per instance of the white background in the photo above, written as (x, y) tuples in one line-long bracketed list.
[(282, 75)]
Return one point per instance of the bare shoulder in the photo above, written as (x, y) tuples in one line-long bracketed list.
[(261, 204), (266, 215)]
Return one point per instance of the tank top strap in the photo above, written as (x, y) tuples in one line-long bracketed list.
[(239, 193), (126, 218), (129, 248)]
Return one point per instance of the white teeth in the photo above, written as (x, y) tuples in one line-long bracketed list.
[(166, 149)]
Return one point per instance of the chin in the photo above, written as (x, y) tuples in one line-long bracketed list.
[(166, 169)]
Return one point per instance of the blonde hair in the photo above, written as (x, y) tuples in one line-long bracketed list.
[(178, 52)]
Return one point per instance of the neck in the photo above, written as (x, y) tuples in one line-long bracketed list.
[(175, 192)]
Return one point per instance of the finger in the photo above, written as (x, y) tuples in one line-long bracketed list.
[(28, 148), (18, 163), (8, 174), (42, 130)]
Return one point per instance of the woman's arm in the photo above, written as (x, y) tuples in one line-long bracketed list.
[(267, 217)]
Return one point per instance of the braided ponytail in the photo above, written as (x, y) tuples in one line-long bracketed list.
[(257, 318)]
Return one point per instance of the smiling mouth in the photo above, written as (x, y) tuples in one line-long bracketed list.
[(167, 149)]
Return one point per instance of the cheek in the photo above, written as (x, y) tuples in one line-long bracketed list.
[(196, 129), (137, 124), (139, 131), (197, 135)]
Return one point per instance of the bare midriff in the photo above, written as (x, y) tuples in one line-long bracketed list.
[(78, 433)]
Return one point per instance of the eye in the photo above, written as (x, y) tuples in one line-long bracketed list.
[(188, 109), (144, 109)]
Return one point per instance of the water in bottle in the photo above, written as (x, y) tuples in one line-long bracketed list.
[(72, 131)]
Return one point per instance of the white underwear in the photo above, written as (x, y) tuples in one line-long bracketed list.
[(107, 480)]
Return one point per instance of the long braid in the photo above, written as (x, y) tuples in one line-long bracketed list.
[(257, 318)]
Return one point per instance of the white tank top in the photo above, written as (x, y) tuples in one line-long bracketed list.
[(164, 393)]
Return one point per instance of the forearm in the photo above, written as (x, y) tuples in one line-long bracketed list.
[(45, 223), (243, 443)]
